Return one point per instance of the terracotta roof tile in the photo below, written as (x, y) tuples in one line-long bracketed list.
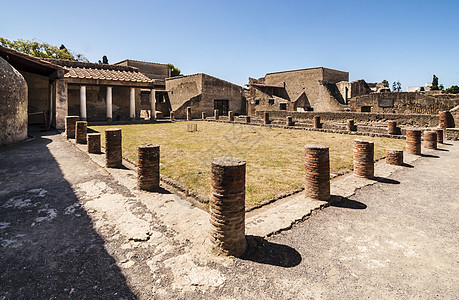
[(117, 75)]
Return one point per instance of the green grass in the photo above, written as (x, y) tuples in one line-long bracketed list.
[(274, 156)]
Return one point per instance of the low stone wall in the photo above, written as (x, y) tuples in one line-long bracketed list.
[(452, 134), (417, 120)]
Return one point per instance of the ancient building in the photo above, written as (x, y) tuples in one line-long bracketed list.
[(318, 89), (149, 69), (203, 93)]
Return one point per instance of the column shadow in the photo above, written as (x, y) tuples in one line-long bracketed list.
[(343, 202), (430, 155), (385, 180)]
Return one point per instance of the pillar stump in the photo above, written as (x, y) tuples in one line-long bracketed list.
[(231, 116), (439, 133), (171, 116), (394, 157), (113, 148), (227, 206), (289, 121), (247, 119), (317, 172), (317, 122), (148, 167), (350, 126), (70, 124), (392, 127), (446, 120), (81, 131), (363, 158), (216, 114), (430, 140), (203, 115), (266, 118), (413, 141), (188, 113), (93, 142)]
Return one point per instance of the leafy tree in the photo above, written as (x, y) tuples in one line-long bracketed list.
[(422, 89), (434, 86), (42, 50), (396, 86), (104, 60), (454, 89), (174, 71), (385, 83)]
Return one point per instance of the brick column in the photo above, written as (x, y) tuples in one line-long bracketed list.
[(439, 133), (350, 125), (227, 206), (247, 119), (148, 168), (203, 115), (392, 127), (266, 118), (171, 115), (188, 113), (364, 158), (94, 143), (317, 170), (446, 120), (81, 131), (413, 141), (231, 116), (430, 140), (70, 124), (289, 121), (394, 157), (216, 114), (113, 148), (317, 122)]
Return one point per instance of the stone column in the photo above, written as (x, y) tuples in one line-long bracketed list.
[(430, 140), (317, 122), (227, 206), (83, 103), (216, 114), (203, 115), (113, 148), (132, 103), (188, 113), (148, 168), (439, 133), (94, 142), (350, 125), (363, 158), (413, 141), (266, 118), (109, 104), (392, 127), (81, 131), (70, 125), (446, 120), (247, 119), (289, 121), (153, 104), (394, 157), (231, 116), (171, 115), (61, 94), (317, 170)]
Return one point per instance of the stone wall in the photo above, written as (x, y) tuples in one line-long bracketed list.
[(151, 70), (452, 134), (404, 102), (38, 95), (182, 89), (13, 105)]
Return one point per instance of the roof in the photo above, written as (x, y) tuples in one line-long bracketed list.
[(140, 61), (200, 74), (27, 63), (305, 70), (268, 85)]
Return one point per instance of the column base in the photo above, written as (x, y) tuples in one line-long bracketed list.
[(109, 120)]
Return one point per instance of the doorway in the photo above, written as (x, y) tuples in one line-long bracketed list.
[(222, 105)]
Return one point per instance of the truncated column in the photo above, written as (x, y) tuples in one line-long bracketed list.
[(392, 127), (289, 121), (439, 133), (171, 115), (247, 119), (188, 113), (81, 131), (93, 142), (430, 140), (227, 206), (317, 122), (216, 114), (113, 150), (446, 120), (148, 168), (394, 157), (413, 141), (364, 158), (70, 124), (231, 116), (203, 115), (266, 118), (317, 172), (350, 125)]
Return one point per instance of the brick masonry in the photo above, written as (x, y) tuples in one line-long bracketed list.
[(392, 127), (113, 148), (148, 167), (350, 126), (439, 133), (70, 124), (363, 158), (394, 157), (413, 141), (430, 140), (227, 206), (289, 121), (317, 172), (81, 131), (94, 143), (317, 122), (446, 120)]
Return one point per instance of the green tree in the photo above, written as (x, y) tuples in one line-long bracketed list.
[(385, 83), (396, 86), (434, 86), (104, 60), (174, 71), (454, 89), (42, 50)]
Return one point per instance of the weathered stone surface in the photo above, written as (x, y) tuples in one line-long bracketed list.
[(216, 114), (231, 116), (394, 157), (446, 120), (148, 167), (70, 126), (363, 158), (430, 140), (350, 125), (413, 141), (440, 134), (317, 122), (188, 113), (94, 143), (113, 148), (317, 172), (266, 117), (13, 105), (81, 132), (392, 127)]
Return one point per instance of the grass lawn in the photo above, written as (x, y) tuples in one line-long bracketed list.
[(274, 156)]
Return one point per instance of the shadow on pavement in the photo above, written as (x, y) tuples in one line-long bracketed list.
[(49, 247), (430, 155), (385, 180), (343, 202), (407, 165), (262, 251)]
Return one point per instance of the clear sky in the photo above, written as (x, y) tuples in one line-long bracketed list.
[(406, 41)]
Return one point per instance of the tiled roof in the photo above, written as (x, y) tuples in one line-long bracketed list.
[(87, 73)]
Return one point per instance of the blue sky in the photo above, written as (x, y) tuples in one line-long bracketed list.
[(406, 41)]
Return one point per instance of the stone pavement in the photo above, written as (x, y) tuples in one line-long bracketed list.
[(71, 228)]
